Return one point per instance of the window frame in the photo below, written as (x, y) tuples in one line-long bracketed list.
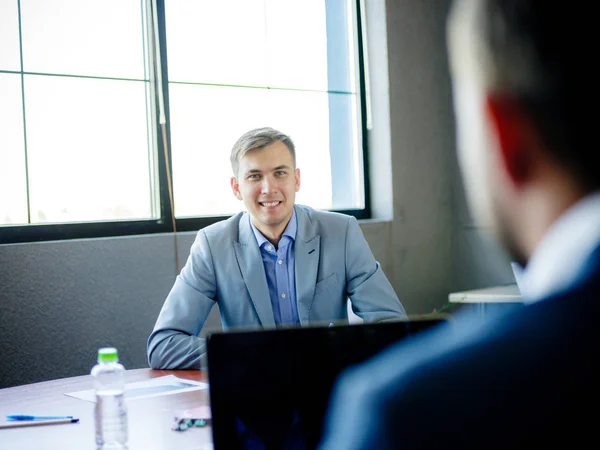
[(10, 234)]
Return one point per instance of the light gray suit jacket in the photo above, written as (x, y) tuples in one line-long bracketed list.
[(333, 263)]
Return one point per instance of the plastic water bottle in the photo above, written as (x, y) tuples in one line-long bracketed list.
[(111, 412)]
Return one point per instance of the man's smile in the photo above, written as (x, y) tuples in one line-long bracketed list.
[(269, 204)]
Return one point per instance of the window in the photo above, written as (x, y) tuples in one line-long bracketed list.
[(81, 148)]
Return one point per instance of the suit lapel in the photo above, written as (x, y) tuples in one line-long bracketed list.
[(307, 251), (250, 261)]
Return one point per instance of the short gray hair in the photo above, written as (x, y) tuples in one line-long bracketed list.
[(258, 138)]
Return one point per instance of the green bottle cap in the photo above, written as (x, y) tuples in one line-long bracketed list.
[(108, 354)]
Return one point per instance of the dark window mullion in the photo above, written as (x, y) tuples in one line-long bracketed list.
[(363, 110), (341, 136), (74, 230), (165, 201)]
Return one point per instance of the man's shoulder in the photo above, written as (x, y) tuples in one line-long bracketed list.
[(223, 230), (323, 217), (519, 339)]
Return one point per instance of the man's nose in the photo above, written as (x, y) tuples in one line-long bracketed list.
[(268, 185)]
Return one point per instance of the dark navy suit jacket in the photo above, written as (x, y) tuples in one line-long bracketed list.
[(527, 379)]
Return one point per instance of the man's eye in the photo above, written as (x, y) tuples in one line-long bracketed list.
[(253, 176), (280, 173)]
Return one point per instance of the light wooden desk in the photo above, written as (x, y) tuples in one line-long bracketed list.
[(149, 419)]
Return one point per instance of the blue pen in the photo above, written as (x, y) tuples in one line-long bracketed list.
[(24, 417)]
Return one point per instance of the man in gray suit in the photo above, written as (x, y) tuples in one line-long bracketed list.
[(277, 264)]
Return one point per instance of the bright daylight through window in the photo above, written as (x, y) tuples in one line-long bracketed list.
[(81, 143)]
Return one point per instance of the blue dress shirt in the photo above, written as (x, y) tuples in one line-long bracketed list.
[(280, 269)]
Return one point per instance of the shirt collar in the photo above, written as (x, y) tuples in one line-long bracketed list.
[(563, 251), (290, 230)]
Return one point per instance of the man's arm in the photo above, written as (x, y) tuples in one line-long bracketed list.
[(175, 342), (372, 296)]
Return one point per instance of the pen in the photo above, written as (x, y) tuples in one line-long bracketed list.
[(31, 423), (24, 417)]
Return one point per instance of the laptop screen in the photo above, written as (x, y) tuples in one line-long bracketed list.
[(269, 389)]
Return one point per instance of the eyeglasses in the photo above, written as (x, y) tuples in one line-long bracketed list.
[(184, 423)]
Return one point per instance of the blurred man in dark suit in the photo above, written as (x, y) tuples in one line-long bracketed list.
[(524, 91)]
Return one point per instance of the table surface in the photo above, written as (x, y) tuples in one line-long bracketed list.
[(149, 419), (509, 293)]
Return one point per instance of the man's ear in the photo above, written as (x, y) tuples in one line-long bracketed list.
[(235, 188), (514, 134), (297, 177)]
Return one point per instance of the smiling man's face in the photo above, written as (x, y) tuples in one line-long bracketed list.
[(267, 182)]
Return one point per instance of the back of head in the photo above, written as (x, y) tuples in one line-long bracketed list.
[(540, 53)]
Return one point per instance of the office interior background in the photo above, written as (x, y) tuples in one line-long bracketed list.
[(61, 300)]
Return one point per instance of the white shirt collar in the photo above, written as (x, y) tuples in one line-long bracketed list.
[(562, 252)]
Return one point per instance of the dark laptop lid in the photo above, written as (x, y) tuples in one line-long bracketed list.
[(269, 389)]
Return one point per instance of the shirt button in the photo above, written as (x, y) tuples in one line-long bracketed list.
[(282, 295), (269, 248), (280, 262)]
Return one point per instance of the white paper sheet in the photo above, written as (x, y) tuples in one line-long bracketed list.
[(154, 387)]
